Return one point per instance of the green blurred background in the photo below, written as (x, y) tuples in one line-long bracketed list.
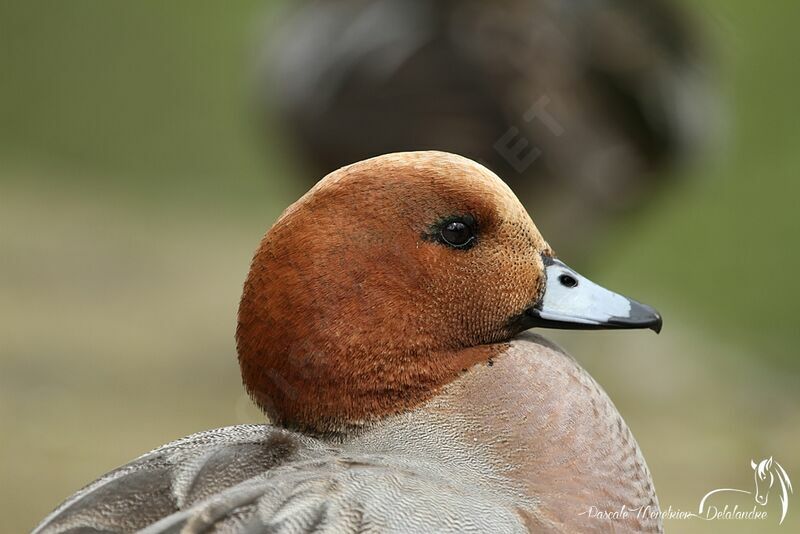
[(135, 184)]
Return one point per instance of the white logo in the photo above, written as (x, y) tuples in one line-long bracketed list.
[(766, 473), (770, 478)]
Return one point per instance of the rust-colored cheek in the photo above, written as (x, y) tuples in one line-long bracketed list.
[(319, 387), (315, 356)]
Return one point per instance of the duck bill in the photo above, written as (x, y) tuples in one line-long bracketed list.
[(571, 301)]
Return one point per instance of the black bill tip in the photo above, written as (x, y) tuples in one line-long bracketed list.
[(640, 316), (658, 322)]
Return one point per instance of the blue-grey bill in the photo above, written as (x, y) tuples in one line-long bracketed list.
[(571, 301)]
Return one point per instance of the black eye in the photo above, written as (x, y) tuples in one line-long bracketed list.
[(458, 233)]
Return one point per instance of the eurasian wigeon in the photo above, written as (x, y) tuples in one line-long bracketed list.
[(382, 329), (606, 94)]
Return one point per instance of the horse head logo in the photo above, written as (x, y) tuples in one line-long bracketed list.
[(766, 473)]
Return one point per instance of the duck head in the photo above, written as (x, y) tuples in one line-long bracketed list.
[(391, 277)]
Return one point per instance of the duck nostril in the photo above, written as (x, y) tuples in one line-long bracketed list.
[(567, 280)]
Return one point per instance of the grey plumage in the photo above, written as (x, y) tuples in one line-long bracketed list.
[(259, 478), (527, 458)]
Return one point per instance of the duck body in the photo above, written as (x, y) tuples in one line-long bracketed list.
[(383, 331), (475, 458)]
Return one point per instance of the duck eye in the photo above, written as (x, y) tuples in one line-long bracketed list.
[(457, 234)]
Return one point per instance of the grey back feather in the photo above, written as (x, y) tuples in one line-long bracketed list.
[(259, 478)]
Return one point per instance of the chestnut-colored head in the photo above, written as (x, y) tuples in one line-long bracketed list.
[(383, 283)]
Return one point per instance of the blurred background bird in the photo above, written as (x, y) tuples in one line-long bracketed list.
[(580, 106)]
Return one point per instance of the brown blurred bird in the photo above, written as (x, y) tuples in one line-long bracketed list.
[(578, 104)]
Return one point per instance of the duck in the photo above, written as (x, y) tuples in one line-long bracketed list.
[(384, 330), (589, 106)]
